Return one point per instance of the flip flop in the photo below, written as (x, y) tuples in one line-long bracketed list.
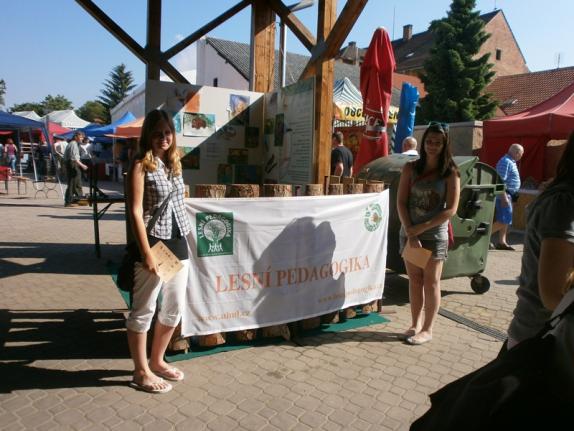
[(413, 341), (151, 388), (172, 374)]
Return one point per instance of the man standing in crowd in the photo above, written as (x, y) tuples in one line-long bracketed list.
[(341, 157), (508, 171), (74, 167), (410, 146)]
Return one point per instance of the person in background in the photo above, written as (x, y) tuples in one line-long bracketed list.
[(155, 177), (1, 152), (74, 168), (427, 198), (341, 157), (60, 145), (86, 156), (508, 171), (548, 252), (410, 146), (11, 151)]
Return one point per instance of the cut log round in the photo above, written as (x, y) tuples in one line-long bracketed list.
[(277, 190), (314, 190), (243, 191), (210, 191)]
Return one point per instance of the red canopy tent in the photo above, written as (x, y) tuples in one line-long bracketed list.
[(532, 128)]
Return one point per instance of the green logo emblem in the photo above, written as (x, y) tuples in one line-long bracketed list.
[(214, 234), (373, 217)]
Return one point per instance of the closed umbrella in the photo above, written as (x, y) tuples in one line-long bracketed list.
[(376, 89)]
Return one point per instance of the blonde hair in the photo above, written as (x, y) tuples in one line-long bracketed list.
[(145, 152)]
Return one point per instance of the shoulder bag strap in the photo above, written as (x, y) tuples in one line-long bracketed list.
[(160, 210)]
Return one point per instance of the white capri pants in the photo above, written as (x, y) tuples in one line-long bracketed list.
[(147, 287)]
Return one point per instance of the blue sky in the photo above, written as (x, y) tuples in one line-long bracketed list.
[(55, 47)]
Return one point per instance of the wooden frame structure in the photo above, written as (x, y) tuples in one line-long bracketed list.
[(331, 33)]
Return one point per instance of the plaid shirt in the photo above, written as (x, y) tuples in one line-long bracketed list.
[(157, 187)]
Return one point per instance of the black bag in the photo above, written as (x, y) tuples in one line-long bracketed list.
[(514, 196), (126, 271), (531, 386)]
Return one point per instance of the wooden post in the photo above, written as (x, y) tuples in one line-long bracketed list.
[(210, 191), (244, 191), (262, 47), (327, 14)]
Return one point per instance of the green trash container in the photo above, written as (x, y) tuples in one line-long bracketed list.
[(472, 223)]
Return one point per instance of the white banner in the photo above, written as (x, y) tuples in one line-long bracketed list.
[(266, 261)]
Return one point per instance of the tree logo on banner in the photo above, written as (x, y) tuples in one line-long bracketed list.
[(214, 234), (373, 217)]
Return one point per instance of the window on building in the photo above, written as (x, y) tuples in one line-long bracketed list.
[(499, 54), (215, 82)]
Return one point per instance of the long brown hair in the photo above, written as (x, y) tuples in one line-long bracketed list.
[(145, 152), (446, 164)]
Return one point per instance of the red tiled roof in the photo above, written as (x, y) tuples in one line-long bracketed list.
[(515, 93), (399, 78)]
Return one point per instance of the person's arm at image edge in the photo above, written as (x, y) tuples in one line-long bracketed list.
[(555, 261)]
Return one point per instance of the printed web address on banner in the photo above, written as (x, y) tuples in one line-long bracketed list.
[(228, 315), (351, 292)]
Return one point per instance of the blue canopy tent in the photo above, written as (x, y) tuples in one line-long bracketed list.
[(18, 124), (109, 129)]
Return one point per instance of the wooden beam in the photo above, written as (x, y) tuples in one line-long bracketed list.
[(324, 94), (113, 28), (333, 42), (153, 46), (262, 47), (296, 26), (181, 45), (146, 56)]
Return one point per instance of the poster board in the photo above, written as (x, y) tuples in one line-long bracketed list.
[(289, 134), (218, 130)]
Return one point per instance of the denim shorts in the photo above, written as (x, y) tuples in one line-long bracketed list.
[(438, 247), (503, 214)]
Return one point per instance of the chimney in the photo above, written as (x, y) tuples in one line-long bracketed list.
[(354, 52), (407, 32)]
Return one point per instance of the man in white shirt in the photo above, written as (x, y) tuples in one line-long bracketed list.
[(410, 146)]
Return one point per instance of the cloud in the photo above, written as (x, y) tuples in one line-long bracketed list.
[(179, 37), (186, 59)]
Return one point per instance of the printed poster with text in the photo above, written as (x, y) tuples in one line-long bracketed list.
[(288, 134), (267, 261)]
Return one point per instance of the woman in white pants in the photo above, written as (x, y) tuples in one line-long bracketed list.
[(156, 191)]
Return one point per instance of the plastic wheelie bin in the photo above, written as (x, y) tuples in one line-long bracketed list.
[(472, 223)]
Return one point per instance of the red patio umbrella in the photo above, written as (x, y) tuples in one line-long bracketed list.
[(376, 87)]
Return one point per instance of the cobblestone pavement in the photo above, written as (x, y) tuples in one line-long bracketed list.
[(65, 363)]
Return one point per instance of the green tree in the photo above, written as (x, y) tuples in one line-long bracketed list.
[(454, 77), (2, 92), (116, 87), (56, 103), (28, 106), (93, 111)]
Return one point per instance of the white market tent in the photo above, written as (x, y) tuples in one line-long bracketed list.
[(31, 115), (66, 118)]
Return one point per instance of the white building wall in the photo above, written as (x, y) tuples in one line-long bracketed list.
[(211, 65), (134, 103)]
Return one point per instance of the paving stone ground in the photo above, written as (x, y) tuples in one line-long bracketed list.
[(64, 360)]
